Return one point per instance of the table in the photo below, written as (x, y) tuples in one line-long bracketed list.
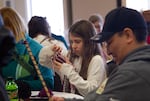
[(58, 94)]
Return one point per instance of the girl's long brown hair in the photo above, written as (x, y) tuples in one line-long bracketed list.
[(85, 30)]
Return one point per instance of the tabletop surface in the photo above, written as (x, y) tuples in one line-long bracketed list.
[(59, 94)]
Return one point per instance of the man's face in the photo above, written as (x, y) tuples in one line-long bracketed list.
[(116, 47)]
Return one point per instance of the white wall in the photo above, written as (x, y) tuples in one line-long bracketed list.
[(19, 5), (82, 9), (1, 3)]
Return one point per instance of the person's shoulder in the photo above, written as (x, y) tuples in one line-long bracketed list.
[(97, 57), (57, 42), (54, 35), (60, 38), (137, 67), (57, 37), (34, 45)]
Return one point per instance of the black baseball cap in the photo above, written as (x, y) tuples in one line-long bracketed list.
[(118, 19)]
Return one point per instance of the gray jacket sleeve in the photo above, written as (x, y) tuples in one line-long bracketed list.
[(74, 99), (122, 86)]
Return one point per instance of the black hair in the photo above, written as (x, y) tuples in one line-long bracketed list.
[(140, 34), (38, 24)]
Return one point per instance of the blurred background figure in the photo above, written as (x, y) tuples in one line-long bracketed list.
[(146, 15), (7, 44), (39, 30), (97, 21), (38, 26)]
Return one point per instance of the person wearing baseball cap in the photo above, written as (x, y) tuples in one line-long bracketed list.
[(125, 33)]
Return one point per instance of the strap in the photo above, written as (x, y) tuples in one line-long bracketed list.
[(44, 40), (49, 39), (23, 63)]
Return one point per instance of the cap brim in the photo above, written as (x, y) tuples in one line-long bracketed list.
[(97, 38), (101, 37)]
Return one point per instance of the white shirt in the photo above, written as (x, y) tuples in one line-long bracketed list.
[(95, 75), (46, 52)]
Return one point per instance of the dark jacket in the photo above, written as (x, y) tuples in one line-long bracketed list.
[(7, 43), (3, 93), (129, 81)]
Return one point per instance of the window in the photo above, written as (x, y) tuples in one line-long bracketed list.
[(53, 11), (139, 5)]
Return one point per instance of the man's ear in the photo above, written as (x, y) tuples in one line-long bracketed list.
[(128, 32)]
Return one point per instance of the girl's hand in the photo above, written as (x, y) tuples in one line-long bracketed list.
[(58, 60), (57, 49)]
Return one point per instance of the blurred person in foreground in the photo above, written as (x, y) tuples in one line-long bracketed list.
[(21, 66), (125, 33), (7, 43), (98, 21)]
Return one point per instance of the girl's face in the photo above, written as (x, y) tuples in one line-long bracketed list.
[(76, 44)]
